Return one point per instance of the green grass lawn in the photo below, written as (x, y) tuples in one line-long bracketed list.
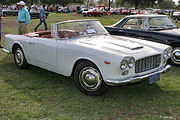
[(35, 94)]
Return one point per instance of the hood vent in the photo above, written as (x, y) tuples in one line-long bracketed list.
[(137, 48)]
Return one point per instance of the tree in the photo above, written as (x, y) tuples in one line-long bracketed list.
[(167, 4), (8, 2), (87, 2), (92, 3), (135, 2), (110, 1), (178, 7), (140, 3), (100, 2)]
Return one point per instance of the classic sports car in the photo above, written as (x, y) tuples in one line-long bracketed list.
[(85, 50), (157, 28)]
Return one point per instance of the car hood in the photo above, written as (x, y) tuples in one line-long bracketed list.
[(171, 31), (120, 45)]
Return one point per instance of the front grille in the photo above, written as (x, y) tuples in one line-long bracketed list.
[(147, 63)]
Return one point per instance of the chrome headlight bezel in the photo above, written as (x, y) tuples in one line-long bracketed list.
[(131, 62), (127, 62), (170, 50), (124, 65), (165, 54)]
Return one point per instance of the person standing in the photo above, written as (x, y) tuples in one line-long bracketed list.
[(42, 19), (1, 15), (23, 18)]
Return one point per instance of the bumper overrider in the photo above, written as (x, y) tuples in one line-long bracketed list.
[(136, 78), (6, 51)]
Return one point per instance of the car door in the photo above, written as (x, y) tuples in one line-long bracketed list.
[(42, 52), (132, 27)]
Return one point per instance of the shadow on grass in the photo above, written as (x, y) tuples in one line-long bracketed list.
[(58, 94)]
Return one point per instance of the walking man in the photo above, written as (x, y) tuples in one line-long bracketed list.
[(23, 18), (1, 15), (42, 19)]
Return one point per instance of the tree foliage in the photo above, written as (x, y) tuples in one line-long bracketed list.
[(8, 2), (48, 2), (138, 3), (167, 4)]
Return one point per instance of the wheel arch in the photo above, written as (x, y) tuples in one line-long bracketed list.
[(79, 61), (174, 44), (15, 45)]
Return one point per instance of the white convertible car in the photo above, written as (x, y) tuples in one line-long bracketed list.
[(85, 50)]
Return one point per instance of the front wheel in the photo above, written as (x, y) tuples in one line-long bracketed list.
[(176, 56), (4, 14), (89, 80), (19, 58)]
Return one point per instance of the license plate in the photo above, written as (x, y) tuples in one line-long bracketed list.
[(154, 78)]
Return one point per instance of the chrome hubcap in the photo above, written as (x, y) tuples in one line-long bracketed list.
[(90, 79), (19, 57), (176, 56)]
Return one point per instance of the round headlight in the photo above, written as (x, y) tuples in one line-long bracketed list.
[(124, 64), (165, 54), (131, 62), (169, 52)]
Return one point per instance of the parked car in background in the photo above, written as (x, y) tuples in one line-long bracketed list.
[(81, 10), (176, 15), (51, 9), (92, 12), (64, 10), (95, 13), (34, 13), (85, 50), (156, 28), (124, 11), (9, 12), (114, 11)]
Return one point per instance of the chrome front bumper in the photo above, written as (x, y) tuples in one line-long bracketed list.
[(6, 51), (137, 78)]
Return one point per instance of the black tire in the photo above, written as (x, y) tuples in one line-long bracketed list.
[(92, 82), (19, 58), (175, 59), (100, 15), (4, 14)]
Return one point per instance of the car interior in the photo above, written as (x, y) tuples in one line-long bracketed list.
[(47, 34), (133, 24)]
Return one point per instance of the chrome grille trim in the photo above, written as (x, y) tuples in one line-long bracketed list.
[(147, 63)]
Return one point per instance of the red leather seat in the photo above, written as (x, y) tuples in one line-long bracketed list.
[(46, 36), (31, 34), (67, 34), (41, 33)]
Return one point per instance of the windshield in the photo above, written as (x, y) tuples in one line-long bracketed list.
[(160, 23), (80, 28)]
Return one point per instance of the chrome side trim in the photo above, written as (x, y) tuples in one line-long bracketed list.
[(6, 51), (136, 79)]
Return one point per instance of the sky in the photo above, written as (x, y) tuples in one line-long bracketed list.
[(176, 1)]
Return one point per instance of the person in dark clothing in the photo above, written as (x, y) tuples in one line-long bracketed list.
[(42, 19)]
